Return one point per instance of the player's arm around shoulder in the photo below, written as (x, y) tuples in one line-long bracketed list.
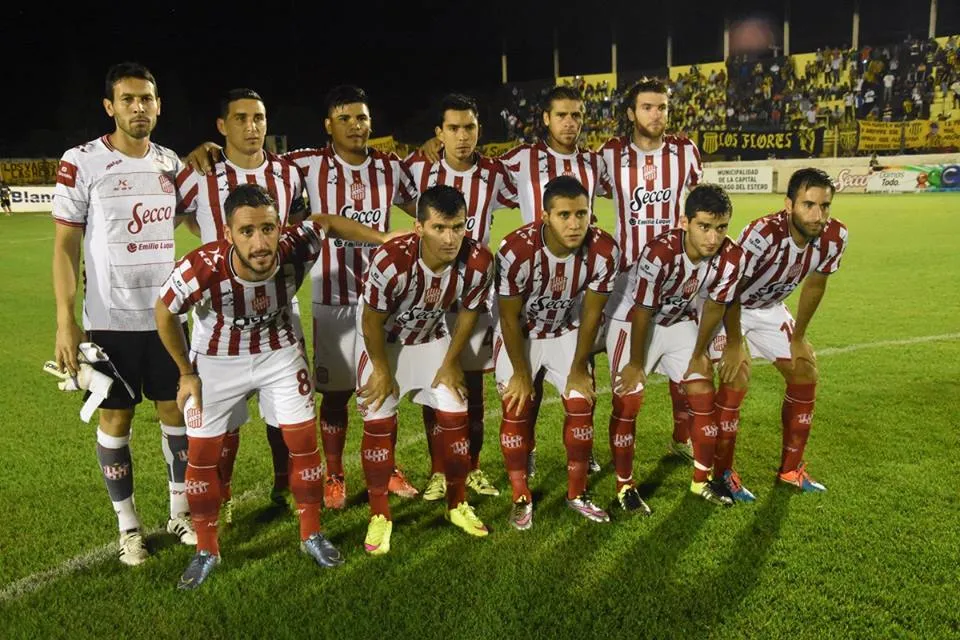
[(344, 228)]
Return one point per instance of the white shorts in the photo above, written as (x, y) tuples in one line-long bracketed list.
[(555, 355), (477, 355), (414, 367), (767, 331), (669, 349), (282, 379), (334, 342), (620, 301)]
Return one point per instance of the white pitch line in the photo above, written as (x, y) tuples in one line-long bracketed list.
[(24, 586)]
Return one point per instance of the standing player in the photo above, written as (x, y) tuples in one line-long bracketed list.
[(116, 198), (407, 349), (802, 243), (243, 123), (666, 331), (543, 268), (485, 188), (242, 287), (5, 197), (648, 174)]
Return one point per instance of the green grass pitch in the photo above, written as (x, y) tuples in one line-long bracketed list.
[(875, 557)]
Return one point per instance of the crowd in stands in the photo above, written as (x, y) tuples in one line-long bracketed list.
[(835, 88)]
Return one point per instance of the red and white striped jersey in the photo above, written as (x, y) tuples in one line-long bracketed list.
[(205, 195), (775, 265), (236, 317), (648, 188), (400, 284), (126, 207), (363, 193), (485, 187), (532, 166), (551, 286), (667, 281)]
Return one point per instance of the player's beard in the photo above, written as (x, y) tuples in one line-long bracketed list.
[(644, 132), (803, 229), (137, 131), (260, 272)]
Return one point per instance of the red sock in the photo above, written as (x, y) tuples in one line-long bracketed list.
[(727, 404), (376, 451), (333, 428), (203, 489), (456, 455), (797, 417), (703, 430), (475, 415), (623, 427), (306, 474), (578, 439), (514, 434), (281, 457), (434, 444), (681, 415), (228, 457)]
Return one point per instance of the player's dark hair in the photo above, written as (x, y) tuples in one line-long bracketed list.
[(457, 102), (236, 94), (710, 198), (444, 200), (247, 195), (643, 85), (803, 179), (560, 92), (563, 187), (122, 70), (344, 94)]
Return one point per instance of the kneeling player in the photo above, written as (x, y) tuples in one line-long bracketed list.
[(664, 332), (802, 243), (542, 268), (242, 287), (407, 349)]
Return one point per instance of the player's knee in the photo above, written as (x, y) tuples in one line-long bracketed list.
[(696, 387), (116, 422), (301, 438), (446, 400), (169, 414), (627, 407), (576, 405), (742, 379), (804, 372)]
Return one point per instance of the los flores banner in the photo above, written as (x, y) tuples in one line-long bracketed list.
[(755, 145), (916, 134)]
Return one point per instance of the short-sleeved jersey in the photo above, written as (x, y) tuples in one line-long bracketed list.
[(485, 187), (532, 166), (416, 298), (204, 196), (669, 283), (236, 316), (363, 193), (551, 286), (4, 192), (647, 188), (126, 207), (775, 265)]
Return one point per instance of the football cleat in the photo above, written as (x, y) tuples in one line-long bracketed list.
[(585, 507), (182, 527), (711, 493), (133, 551), (436, 488), (738, 492), (399, 485), (322, 551), (226, 511), (800, 478), (282, 498), (532, 463), (377, 541), (200, 567), (521, 514), (478, 483), (464, 517), (682, 450), (594, 465), (630, 501), (335, 492)]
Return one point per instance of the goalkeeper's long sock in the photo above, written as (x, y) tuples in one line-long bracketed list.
[(116, 465), (175, 453)]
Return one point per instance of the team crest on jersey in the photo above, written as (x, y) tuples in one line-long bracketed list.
[(649, 172), (166, 184), (261, 303), (558, 284), (358, 191), (690, 287), (432, 295), (794, 271)]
